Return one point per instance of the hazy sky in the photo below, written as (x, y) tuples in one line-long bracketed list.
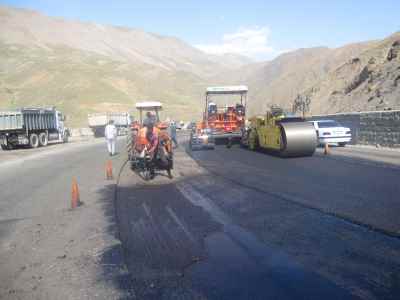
[(257, 28)]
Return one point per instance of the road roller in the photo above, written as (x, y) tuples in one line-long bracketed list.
[(280, 133)]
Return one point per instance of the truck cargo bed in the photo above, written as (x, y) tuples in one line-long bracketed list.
[(28, 119), (102, 119)]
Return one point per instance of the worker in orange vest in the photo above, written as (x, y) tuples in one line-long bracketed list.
[(148, 137)]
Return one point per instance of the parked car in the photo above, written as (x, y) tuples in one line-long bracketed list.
[(331, 132)]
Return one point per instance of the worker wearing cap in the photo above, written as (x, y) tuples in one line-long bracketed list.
[(110, 133)]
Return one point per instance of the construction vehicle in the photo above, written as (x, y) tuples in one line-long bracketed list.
[(280, 133), (137, 148), (98, 122), (32, 127), (221, 123)]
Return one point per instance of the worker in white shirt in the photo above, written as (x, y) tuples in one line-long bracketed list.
[(111, 137)]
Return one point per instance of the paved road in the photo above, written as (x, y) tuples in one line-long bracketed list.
[(240, 225), (231, 224), (48, 251)]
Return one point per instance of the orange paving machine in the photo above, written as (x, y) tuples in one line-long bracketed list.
[(222, 122), (148, 143)]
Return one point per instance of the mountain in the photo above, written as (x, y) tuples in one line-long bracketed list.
[(356, 77), (364, 82), (83, 67), (279, 81), (30, 28)]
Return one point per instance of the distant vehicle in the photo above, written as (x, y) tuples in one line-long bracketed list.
[(32, 127), (98, 121), (331, 132)]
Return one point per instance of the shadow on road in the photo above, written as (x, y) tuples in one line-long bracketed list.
[(112, 259), (203, 236)]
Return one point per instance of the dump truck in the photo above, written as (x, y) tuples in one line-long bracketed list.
[(222, 122), (98, 121), (32, 127), (280, 133)]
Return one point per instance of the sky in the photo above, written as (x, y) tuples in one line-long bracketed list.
[(260, 29)]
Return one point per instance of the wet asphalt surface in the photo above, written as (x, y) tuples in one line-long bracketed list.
[(231, 224), (234, 224)]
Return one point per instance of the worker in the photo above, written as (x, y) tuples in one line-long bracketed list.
[(148, 136), (110, 133), (152, 140), (150, 118), (172, 133), (212, 108)]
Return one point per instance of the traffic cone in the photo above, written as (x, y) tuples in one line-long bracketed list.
[(75, 199), (326, 149), (109, 172)]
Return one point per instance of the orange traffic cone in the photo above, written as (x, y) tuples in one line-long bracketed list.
[(326, 149), (109, 172), (75, 199)]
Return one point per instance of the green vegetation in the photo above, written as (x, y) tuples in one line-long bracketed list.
[(79, 83)]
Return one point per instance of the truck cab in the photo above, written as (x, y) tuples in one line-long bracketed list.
[(63, 132)]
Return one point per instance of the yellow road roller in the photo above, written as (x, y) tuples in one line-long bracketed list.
[(280, 133)]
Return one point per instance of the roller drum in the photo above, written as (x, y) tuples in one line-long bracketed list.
[(298, 139)]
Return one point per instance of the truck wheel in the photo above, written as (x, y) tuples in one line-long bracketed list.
[(33, 140), (43, 139)]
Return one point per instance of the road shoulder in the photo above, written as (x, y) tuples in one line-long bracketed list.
[(64, 253)]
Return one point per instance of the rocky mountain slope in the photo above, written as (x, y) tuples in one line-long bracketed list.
[(282, 79), (367, 81)]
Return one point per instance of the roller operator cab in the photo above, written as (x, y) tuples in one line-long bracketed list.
[(280, 133), (223, 117)]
